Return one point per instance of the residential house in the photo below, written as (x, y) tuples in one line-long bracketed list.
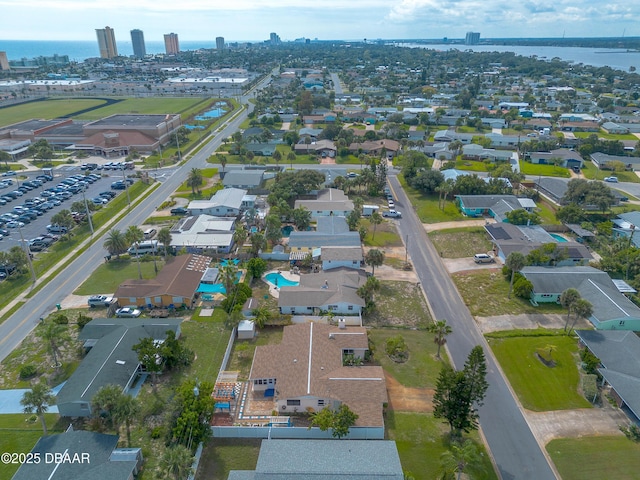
[(307, 372), (246, 180), (111, 360), (332, 290), (336, 257), (508, 238), (567, 158), (603, 160), (612, 310), (503, 141), (625, 226), (203, 234), (615, 128), (619, 355), (261, 150), (324, 459), (329, 202), (376, 148), (324, 148), (331, 231), (175, 285), (579, 126), (227, 202), (439, 150), (452, 136), (82, 454), (492, 205), (478, 152), (552, 188)]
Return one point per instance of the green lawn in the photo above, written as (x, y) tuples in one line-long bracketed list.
[(46, 109), (385, 235), (243, 350), (221, 455), (108, 276), (541, 388), (473, 166), (460, 242), (606, 136), (547, 212), (485, 293), (18, 434), (399, 304), (426, 206), (422, 368), (543, 170), (591, 172), (421, 440), (595, 458), (145, 106)]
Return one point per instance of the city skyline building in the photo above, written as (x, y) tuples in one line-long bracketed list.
[(274, 38), (107, 42), (171, 43), (137, 41), (472, 38), (4, 62), (219, 43)]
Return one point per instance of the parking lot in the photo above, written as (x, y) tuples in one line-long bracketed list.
[(41, 203)]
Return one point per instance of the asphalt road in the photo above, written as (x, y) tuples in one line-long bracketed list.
[(513, 446), (14, 329)]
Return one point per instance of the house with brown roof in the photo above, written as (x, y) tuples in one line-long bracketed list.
[(376, 147), (175, 284), (307, 372)]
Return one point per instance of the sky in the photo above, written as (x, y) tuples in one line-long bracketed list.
[(253, 20)]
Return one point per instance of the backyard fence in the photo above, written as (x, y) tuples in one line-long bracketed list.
[(355, 433)]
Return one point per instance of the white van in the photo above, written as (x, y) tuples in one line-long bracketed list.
[(483, 258), (149, 246), (149, 233)]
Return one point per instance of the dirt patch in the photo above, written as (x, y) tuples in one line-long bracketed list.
[(408, 399), (480, 222), (526, 322)]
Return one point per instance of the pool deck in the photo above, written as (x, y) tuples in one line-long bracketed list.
[(275, 291)]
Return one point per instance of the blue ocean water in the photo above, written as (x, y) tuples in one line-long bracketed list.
[(81, 50)]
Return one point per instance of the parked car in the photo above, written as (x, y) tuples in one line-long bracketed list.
[(483, 258), (179, 211), (128, 312), (611, 179), (100, 301), (119, 185), (9, 173), (56, 229), (14, 224), (392, 214)]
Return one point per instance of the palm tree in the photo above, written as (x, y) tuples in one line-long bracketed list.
[(462, 458), (581, 309), (240, 236), (164, 237), (134, 235), (440, 329), (175, 463), (53, 334), (104, 404), (194, 180), (277, 156), (515, 262), (223, 160), (261, 316), (116, 243), (258, 242), (229, 277), (376, 219), (375, 258), (125, 410), (291, 156), (568, 298), (37, 400)]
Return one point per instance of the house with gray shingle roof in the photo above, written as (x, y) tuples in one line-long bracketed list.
[(492, 205), (227, 202), (329, 202), (307, 372), (336, 257), (627, 225), (612, 310), (568, 158), (602, 160), (110, 360), (325, 459), (331, 231), (97, 455), (333, 290), (619, 354)]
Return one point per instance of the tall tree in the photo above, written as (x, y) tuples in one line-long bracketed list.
[(53, 334), (375, 258), (302, 218), (149, 355), (475, 370), (462, 458), (582, 308), (134, 235), (194, 180), (515, 262), (229, 278), (240, 235), (568, 298), (375, 219), (104, 405), (164, 237), (258, 243), (291, 156), (115, 243), (451, 402), (38, 400), (175, 463), (126, 409), (440, 329), (273, 228)]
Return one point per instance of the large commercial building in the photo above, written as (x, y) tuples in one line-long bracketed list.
[(219, 43), (274, 39), (4, 63), (107, 42), (171, 44), (137, 40), (472, 38)]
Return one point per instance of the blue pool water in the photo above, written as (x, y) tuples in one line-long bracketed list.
[(286, 231), (278, 280), (211, 288), (558, 238), (194, 127), (225, 262), (215, 113)]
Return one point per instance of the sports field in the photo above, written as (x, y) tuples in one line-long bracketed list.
[(97, 108)]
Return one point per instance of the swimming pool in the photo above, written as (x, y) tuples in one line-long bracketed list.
[(558, 238), (226, 262), (277, 280), (286, 230), (211, 288)]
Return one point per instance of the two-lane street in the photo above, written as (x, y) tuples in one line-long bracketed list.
[(513, 446)]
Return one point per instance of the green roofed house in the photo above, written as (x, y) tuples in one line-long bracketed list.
[(325, 459), (80, 455), (612, 310), (110, 360)]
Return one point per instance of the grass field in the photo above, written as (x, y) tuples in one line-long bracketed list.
[(543, 170), (591, 172), (426, 206), (221, 455), (385, 234), (399, 304), (607, 136), (19, 435), (145, 106), (485, 293), (46, 109), (472, 166), (421, 440), (460, 242), (422, 368), (108, 276), (541, 388), (595, 458)]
